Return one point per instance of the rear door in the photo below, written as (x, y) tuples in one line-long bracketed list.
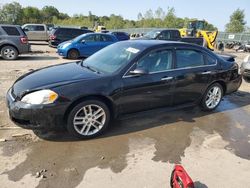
[(12, 34), (192, 75), (105, 40), (2, 36)]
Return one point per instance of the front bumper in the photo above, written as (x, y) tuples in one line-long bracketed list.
[(61, 52), (29, 116)]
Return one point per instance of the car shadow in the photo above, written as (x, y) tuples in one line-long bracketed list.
[(38, 43), (155, 118), (38, 58), (198, 184)]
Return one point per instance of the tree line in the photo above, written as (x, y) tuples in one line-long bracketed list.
[(14, 13)]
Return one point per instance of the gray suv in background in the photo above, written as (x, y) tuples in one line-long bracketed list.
[(13, 41)]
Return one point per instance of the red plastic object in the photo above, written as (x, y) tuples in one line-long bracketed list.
[(180, 178)]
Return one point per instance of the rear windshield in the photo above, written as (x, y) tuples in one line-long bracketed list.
[(11, 30)]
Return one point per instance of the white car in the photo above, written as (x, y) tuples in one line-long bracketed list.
[(245, 68)]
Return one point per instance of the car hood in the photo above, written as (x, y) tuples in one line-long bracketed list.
[(51, 77), (66, 42)]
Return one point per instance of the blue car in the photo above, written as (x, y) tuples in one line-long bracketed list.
[(85, 45)]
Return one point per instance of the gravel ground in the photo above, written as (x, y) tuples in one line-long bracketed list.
[(138, 151)]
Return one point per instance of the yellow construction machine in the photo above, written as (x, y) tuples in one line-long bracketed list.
[(196, 28)]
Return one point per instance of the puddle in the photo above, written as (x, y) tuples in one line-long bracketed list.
[(170, 131)]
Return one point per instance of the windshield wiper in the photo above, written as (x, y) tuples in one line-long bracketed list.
[(91, 68)]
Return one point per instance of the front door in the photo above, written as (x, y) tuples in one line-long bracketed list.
[(152, 90)]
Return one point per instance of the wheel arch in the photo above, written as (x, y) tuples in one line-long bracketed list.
[(74, 48), (222, 83), (7, 44), (101, 98)]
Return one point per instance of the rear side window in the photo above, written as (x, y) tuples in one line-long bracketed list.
[(166, 35), (106, 38), (211, 60), (176, 34), (11, 30), (189, 58), (39, 28)]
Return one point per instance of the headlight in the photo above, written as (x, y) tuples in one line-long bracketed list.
[(65, 45), (45, 96)]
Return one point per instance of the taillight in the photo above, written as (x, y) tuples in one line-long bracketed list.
[(24, 40), (52, 37)]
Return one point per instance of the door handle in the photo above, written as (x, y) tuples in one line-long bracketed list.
[(206, 72), (167, 78)]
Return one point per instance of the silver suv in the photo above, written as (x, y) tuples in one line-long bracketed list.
[(13, 41)]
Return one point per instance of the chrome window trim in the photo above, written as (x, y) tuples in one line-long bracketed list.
[(129, 76)]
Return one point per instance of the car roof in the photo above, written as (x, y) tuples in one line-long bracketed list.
[(149, 43), (108, 34), (32, 24), (141, 43), (167, 29), (9, 25)]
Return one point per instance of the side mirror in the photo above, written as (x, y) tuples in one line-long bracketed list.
[(83, 41), (139, 72), (25, 29)]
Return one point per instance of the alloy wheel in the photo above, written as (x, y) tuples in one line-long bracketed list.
[(89, 120), (213, 97)]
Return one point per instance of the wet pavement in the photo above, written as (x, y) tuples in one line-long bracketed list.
[(138, 150)]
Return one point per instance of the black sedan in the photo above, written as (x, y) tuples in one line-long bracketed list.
[(126, 77)]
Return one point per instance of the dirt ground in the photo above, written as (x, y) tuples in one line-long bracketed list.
[(138, 151)]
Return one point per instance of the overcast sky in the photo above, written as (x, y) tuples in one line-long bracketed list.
[(216, 12)]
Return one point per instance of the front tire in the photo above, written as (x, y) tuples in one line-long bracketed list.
[(73, 54), (88, 119), (9, 53), (212, 97)]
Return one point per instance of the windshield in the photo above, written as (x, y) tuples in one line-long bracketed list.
[(196, 25), (152, 34), (111, 58)]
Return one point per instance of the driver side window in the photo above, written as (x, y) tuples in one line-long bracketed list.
[(90, 38), (156, 61)]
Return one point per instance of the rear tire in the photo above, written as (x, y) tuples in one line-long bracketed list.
[(88, 119), (212, 97), (73, 54), (9, 53)]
